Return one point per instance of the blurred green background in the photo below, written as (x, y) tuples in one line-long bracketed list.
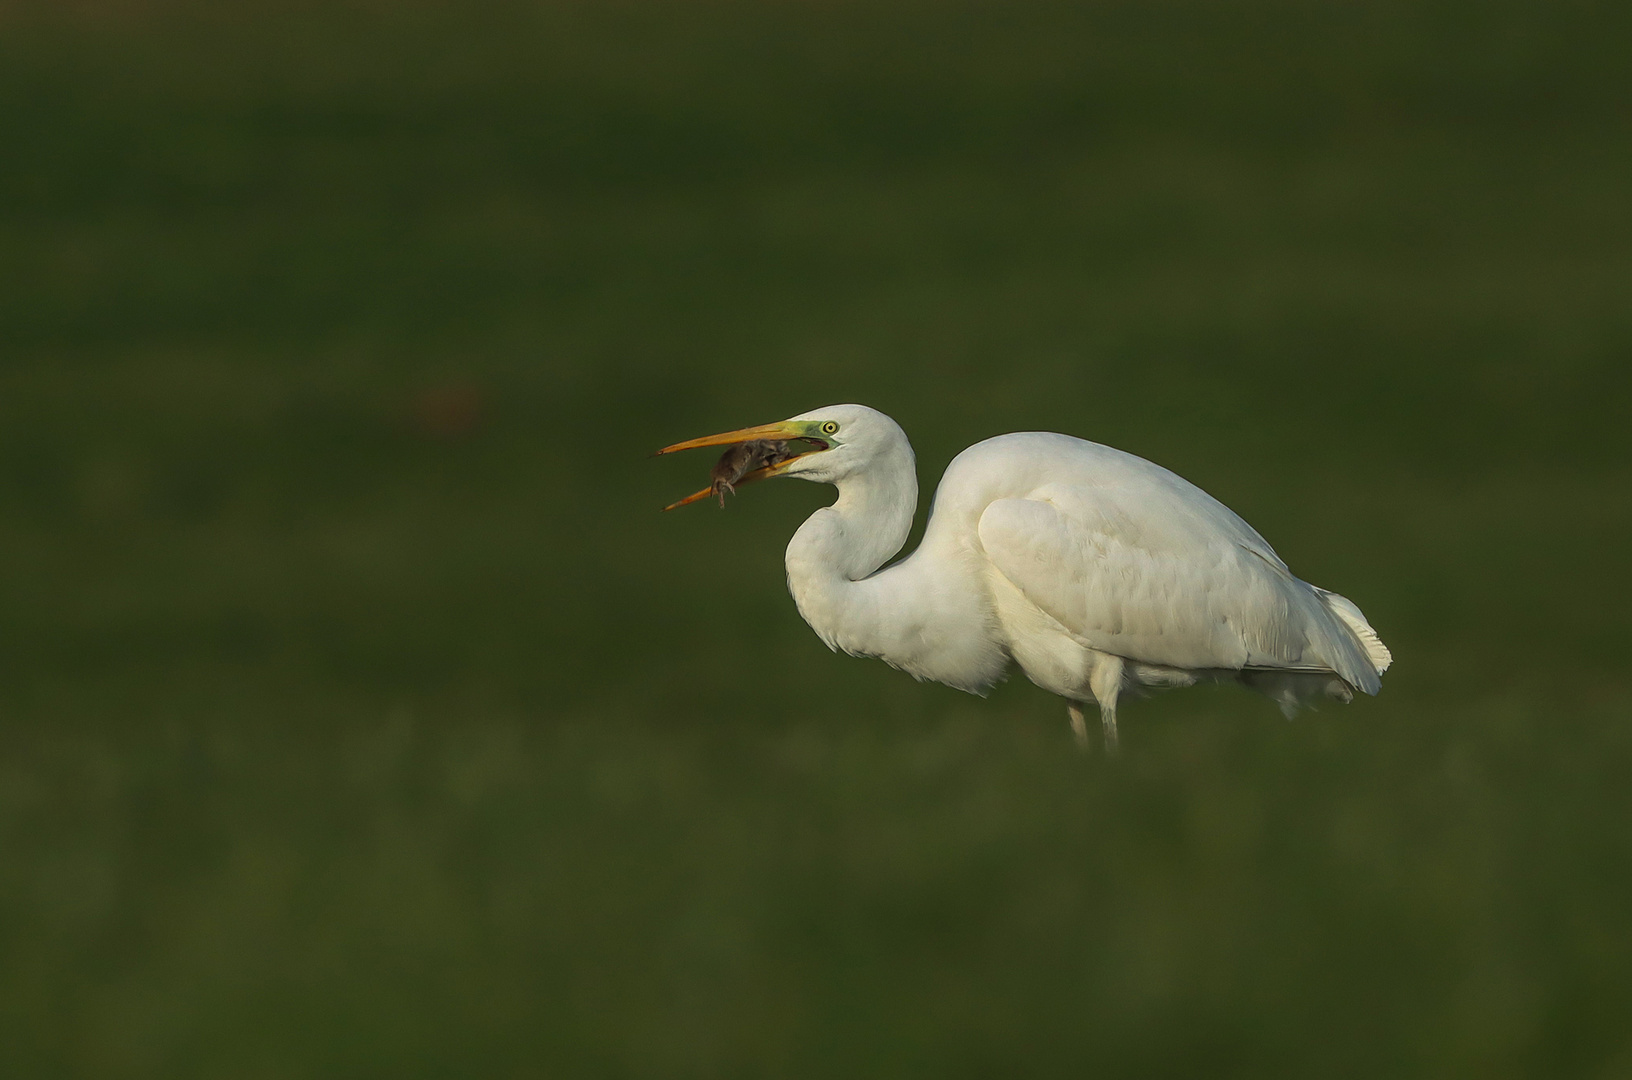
[(359, 714)]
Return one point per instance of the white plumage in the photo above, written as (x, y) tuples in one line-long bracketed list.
[(1095, 570)]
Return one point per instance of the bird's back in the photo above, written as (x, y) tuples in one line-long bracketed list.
[(1050, 466), (1136, 561)]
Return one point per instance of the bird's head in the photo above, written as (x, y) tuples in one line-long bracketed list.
[(825, 445)]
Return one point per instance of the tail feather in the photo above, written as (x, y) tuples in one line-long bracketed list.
[(1345, 609), (1348, 656)]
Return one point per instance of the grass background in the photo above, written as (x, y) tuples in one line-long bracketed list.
[(359, 715)]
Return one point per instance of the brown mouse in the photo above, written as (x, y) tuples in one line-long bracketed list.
[(741, 459)]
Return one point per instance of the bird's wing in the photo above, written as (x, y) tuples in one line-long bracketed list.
[(1165, 575)]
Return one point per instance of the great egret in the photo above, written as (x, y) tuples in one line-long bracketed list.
[(1096, 571)]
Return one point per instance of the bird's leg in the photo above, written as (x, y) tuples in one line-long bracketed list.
[(1106, 683), (1107, 718), (1079, 725)]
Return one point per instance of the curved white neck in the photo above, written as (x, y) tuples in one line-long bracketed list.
[(921, 615), (857, 534)]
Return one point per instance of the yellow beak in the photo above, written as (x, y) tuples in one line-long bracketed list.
[(785, 429), (781, 431)]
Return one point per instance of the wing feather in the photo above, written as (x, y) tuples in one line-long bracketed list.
[(1164, 574)]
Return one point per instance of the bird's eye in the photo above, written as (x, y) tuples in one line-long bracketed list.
[(830, 427)]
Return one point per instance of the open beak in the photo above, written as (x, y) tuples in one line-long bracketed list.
[(784, 431)]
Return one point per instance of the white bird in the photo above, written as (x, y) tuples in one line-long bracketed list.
[(1098, 572)]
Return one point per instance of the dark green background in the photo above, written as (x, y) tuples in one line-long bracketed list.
[(359, 714)]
